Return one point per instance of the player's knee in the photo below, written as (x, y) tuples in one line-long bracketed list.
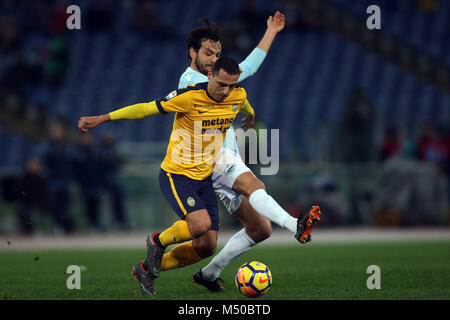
[(255, 184), (249, 184), (198, 225), (259, 184)]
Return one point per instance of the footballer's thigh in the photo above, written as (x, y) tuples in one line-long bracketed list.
[(192, 200), (231, 175), (206, 245), (230, 172), (247, 183), (228, 166), (256, 226)]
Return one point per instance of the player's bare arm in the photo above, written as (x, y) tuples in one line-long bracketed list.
[(274, 25)]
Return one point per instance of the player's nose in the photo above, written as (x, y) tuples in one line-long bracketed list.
[(225, 91)]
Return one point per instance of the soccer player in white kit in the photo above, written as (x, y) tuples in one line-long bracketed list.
[(242, 193)]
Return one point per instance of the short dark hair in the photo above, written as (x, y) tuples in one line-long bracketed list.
[(209, 32), (229, 65)]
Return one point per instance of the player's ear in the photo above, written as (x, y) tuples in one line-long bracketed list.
[(192, 53), (240, 71), (209, 75)]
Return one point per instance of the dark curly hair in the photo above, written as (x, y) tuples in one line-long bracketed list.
[(229, 65), (209, 32)]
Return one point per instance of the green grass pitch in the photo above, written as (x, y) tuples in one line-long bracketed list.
[(409, 270)]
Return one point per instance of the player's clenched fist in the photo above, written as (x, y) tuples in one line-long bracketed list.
[(86, 123), (276, 22)]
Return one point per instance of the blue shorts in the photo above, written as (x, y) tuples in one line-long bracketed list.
[(186, 195)]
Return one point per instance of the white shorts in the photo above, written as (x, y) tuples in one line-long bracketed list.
[(228, 165)]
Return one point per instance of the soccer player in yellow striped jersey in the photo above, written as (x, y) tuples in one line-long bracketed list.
[(201, 123), (203, 111)]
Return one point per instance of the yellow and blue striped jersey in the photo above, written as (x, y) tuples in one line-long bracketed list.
[(199, 128), (249, 66)]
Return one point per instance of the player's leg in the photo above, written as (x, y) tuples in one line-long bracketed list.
[(256, 229), (231, 173), (194, 225), (254, 189), (227, 170), (190, 252), (204, 235), (227, 167), (206, 245), (250, 186), (181, 193), (184, 196)]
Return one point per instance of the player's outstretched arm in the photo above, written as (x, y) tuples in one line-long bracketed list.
[(251, 64), (274, 25), (136, 111)]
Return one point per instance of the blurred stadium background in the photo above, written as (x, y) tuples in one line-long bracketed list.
[(364, 115)]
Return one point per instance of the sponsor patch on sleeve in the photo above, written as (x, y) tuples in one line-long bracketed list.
[(171, 95)]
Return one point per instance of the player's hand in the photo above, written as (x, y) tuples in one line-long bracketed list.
[(86, 123), (276, 23), (247, 122)]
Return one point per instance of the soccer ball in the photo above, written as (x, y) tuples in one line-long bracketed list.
[(253, 279)]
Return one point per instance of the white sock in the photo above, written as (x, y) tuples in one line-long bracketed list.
[(266, 206), (239, 243)]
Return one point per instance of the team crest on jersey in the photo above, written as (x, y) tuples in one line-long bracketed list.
[(190, 201), (230, 168), (171, 95), (234, 107)]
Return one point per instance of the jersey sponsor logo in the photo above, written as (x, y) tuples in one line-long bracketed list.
[(171, 95), (224, 124), (204, 105), (217, 122)]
